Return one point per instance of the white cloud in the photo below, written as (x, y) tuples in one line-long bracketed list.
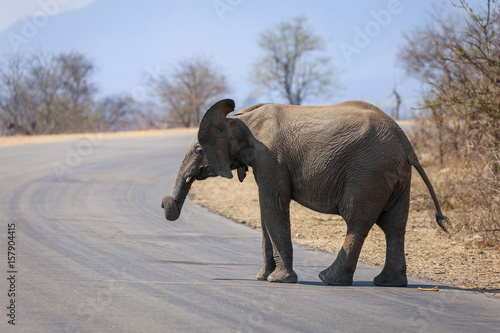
[(15, 10)]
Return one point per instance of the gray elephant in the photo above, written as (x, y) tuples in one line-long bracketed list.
[(349, 159)]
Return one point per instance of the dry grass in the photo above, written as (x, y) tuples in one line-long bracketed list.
[(430, 252), (28, 139)]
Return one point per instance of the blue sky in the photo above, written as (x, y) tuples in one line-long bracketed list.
[(130, 40)]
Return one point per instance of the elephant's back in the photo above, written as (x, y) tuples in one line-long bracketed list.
[(353, 111), (331, 129), (356, 104)]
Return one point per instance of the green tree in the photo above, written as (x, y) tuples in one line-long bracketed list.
[(292, 65)]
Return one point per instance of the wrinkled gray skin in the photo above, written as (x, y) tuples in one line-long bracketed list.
[(349, 159)]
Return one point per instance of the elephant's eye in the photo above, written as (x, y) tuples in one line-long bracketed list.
[(198, 151)]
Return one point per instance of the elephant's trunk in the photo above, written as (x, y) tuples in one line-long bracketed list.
[(173, 204)]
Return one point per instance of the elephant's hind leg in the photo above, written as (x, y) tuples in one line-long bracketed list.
[(341, 272), (393, 224)]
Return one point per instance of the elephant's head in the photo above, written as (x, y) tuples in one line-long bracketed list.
[(208, 155)]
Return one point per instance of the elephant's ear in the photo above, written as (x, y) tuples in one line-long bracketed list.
[(213, 136)]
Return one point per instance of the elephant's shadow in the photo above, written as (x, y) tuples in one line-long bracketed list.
[(426, 287), (371, 284), (357, 284), (485, 290)]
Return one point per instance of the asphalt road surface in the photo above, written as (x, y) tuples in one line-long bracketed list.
[(93, 253)]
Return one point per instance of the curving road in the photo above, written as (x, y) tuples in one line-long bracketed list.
[(93, 253)]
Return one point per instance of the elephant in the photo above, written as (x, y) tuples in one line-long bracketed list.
[(349, 159)]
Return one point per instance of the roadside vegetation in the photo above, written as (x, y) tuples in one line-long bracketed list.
[(458, 133)]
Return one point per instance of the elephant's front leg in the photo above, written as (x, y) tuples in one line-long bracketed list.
[(267, 249), (275, 218)]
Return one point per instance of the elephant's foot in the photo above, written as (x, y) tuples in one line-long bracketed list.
[(336, 276), (283, 275), (264, 272), (389, 278)]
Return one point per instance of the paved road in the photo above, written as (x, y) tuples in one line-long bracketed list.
[(93, 253)]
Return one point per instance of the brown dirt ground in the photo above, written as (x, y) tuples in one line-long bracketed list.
[(430, 252), (454, 260)]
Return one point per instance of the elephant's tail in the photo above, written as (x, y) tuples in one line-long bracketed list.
[(442, 220)]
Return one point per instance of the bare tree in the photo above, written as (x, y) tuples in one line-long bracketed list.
[(117, 113), (458, 60), (17, 103), (292, 66), (397, 107), (65, 92), (460, 65), (46, 93), (148, 115), (189, 90)]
